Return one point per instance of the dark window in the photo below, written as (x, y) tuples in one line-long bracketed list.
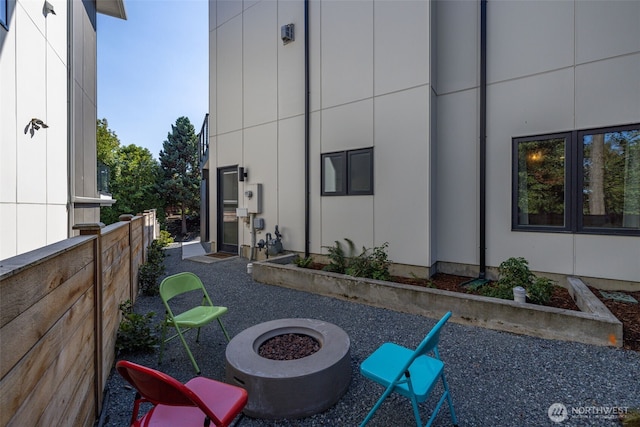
[(541, 182), (609, 179), (103, 178), (347, 172), (334, 170), (582, 181), (360, 171), (4, 14)]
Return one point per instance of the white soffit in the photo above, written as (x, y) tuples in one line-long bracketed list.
[(113, 8)]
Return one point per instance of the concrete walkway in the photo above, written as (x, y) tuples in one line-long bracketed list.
[(194, 251)]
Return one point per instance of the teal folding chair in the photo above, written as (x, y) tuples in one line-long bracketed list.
[(196, 317), (410, 373)]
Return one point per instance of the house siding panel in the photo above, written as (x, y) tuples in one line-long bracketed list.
[(404, 78), (229, 76), (402, 172), (347, 51), (259, 62)]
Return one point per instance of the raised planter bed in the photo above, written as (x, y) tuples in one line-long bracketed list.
[(594, 324)]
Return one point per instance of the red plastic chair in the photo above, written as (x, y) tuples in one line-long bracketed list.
[(199, 402)]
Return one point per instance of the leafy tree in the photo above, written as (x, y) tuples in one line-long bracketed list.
[(133, 176), (180, 182), (108, 144), (134, 182)]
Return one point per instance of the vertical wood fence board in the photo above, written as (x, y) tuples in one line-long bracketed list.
[(23, 333)]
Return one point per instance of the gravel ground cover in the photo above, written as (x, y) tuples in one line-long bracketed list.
[(496, 378)]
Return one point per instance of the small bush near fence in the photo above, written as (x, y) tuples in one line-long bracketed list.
[(136, 333), (150, 272)]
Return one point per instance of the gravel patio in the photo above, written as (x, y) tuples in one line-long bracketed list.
[(496, 378)]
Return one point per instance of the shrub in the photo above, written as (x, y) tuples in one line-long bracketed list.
[(165, 239), (515, 272), (302, 262), (338, 260), (136, 333), (497, 289), (150, 272), (372, 264), (540, 290)]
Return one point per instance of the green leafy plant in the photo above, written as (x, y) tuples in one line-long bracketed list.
[(540, 290), (165, 239), (303, 262), (515, 272), (136, 334), (150, 272), (372, 264), (338, 259)]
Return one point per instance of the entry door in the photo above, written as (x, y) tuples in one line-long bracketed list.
[(227, 204)]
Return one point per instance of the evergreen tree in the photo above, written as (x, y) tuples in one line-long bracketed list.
[(180, 182)]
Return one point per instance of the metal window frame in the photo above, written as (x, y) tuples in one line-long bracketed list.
[(350, 154), (580, 227), (574, 179), (568, 198), (343, 190), (346, 189)]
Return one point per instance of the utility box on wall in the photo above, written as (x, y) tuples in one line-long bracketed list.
[(253, 197)]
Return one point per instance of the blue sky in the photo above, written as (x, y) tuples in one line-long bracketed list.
[(153, 68)]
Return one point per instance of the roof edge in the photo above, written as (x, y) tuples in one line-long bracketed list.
[(113, 8)]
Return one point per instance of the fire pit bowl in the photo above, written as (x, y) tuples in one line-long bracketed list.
[(290, 388)]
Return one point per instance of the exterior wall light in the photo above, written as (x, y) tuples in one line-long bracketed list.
[(242, 174)]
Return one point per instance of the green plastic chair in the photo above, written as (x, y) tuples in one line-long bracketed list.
[(410, 373), (195, 317)]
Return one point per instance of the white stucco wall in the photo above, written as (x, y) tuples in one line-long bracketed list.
[(33, 170), (360, 98), (576, 74), (376, 82)]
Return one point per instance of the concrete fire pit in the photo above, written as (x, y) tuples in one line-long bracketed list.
[(290, 388)]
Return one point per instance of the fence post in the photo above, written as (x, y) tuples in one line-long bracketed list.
[(132, 276), (95, 229)]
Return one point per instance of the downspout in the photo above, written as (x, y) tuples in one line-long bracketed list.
[(70, 125), (483, 135), (307, 150)]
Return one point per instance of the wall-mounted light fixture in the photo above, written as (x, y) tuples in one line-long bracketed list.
[(287, 34), (47, 9), (242, 174), (34, 125)]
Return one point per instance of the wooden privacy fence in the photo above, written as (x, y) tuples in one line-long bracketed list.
[(59, 319)]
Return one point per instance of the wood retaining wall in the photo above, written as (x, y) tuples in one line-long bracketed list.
[(59, 318)]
